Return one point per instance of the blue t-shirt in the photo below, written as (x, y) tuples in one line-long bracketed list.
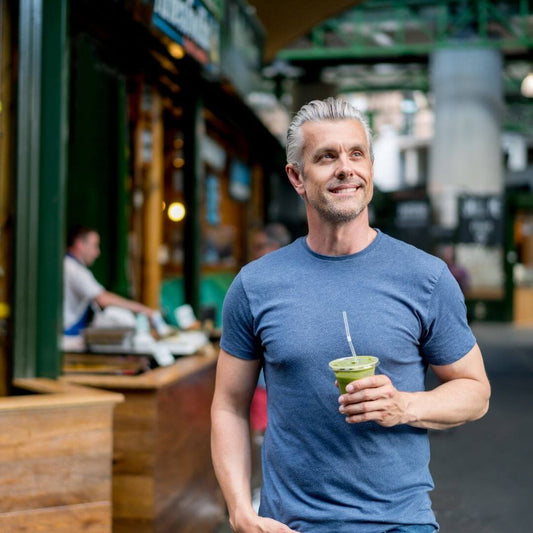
[(321, 474)]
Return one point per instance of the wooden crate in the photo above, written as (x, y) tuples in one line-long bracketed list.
[(56, 458)]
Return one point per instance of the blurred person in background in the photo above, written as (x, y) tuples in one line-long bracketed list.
[(358, 462), (447, 254), (272, 237), (268, 239), (81, 290)]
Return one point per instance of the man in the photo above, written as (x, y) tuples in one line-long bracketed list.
[(272, 237), (80, 286), (358, 462), (267, 239)]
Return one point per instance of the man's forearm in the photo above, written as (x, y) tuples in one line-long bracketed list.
[(462, 396), (451, 404), (231, 454), (109, 298)]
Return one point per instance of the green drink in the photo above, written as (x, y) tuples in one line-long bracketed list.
[(346, 370)]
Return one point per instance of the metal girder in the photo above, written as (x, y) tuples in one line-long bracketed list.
[(409, 77), (384, 29), (350, 50)]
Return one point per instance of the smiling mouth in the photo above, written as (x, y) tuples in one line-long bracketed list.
[(346, 189)]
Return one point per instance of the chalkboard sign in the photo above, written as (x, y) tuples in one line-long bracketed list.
[(412, 220), (481, 220)]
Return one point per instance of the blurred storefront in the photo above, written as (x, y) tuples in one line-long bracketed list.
[(129, 117), (190, 156), (138, 127)]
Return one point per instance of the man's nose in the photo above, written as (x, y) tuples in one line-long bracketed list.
[(344, 168)]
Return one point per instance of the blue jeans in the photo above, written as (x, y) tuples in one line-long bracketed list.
[(417, 528)]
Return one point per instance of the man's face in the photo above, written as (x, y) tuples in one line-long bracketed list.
[(89, 248), (336, 180)]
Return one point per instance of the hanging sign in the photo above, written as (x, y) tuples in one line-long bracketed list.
[(242, 50), (412, 221), (240, 179), (190, 23), (213, 200)]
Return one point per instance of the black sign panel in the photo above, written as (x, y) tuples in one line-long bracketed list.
[(481, 220), (412, 221)]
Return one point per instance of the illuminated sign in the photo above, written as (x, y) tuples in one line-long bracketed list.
[(189, 23)]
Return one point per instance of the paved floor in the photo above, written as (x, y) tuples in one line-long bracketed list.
[(483, 471)]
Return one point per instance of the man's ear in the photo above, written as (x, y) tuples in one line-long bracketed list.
[(295, 177)]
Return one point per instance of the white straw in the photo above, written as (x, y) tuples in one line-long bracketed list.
[(348, 336)]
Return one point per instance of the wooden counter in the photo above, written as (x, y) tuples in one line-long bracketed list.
[(55, 458), (163, 480)]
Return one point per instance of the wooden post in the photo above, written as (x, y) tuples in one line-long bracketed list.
[(153, 198)]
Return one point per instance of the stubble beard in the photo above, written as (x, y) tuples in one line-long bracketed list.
[(335, 214)]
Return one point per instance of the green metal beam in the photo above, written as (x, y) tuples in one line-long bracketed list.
[(41, 149), (54, 128), (27, 189), (383, 29), (192, 132)]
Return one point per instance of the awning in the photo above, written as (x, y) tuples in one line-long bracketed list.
[(286, 20)]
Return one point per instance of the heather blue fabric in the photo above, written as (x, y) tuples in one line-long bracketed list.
[(322, 475), (412, 529)]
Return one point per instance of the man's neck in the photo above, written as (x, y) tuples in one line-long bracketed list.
[(341, 239), (75, 256)]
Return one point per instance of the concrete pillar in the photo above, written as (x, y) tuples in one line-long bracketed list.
[(466, 155)]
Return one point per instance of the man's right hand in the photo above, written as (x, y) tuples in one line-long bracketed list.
[(262, 525)]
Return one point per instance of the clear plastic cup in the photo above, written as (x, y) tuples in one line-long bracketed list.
[(346, 370)]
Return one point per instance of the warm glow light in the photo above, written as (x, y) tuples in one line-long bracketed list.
[(163, 205), (176, 50), (176, 211), (178, 162), (527, 86)]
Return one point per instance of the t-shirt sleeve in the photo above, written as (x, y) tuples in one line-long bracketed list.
[(238, 337), (447, 335), (83, 283)]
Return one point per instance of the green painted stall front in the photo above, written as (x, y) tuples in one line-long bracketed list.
[(213, 288)]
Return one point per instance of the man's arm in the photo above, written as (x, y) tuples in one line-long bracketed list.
[(463, 396), (230, 442), (107, 298)]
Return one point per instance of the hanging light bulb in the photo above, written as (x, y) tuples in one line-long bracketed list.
[(527, 86), (176, 211)]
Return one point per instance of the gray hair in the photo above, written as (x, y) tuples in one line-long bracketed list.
[(320, 110)]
